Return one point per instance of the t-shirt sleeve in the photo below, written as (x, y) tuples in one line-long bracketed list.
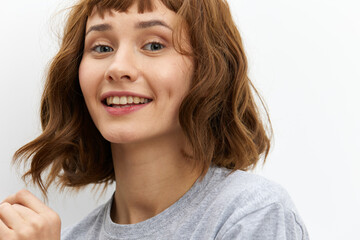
[(65, 233), (273, 222)]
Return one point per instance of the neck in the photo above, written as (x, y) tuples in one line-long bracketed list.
[(150, 177)]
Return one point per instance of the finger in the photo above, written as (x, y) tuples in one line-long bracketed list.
[(10, 217), (27, 199), (3, 227), (26, 213), (5, 232)]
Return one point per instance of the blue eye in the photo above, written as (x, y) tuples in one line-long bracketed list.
[(153, 46), (102, 49)]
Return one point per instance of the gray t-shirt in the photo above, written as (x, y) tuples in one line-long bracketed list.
[(241, 205)]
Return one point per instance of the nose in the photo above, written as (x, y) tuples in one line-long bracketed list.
[(122, 66)]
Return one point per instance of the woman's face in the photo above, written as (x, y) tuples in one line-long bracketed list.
[(132, 79)]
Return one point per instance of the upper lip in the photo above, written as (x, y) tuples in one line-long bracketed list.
[(122, 93)]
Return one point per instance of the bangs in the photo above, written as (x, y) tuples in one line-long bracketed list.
[(180, 7), (122, 5)]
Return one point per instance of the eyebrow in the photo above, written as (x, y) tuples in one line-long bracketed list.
[(99, 28), (151, 23), (140, 25)]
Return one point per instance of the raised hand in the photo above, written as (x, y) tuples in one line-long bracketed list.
[(23, 217)]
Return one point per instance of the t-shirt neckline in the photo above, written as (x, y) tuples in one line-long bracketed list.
[(161, 220)]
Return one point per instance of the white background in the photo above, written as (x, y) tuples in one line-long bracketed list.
[(304, 57)]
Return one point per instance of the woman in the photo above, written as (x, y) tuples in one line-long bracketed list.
[(153, 95)]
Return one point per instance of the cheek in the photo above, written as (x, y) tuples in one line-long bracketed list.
[(87, 76), (87, 81), (82, 76), (182, 79), (176, 78)]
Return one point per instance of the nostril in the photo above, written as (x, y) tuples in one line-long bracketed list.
[(126, 76), (111, 78), (124, 71), (108, 77)]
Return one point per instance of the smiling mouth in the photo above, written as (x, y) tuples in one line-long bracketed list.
[(124, 101)]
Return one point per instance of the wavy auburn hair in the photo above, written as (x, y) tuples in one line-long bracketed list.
[(219, 115)]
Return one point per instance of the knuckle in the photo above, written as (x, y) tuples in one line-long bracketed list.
[(37, 224), (26, 232), (22, 194), (4, 206), (54, 218)]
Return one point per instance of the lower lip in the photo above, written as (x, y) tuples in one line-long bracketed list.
[(124, 110)]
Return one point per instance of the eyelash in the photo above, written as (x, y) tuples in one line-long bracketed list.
[(100, 46), (154, 42), (111, 49)]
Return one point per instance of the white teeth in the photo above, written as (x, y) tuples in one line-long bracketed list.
[(136, 100), (125, 100), (109, 100), (116, 100)]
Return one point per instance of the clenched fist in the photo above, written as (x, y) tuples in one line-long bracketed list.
[(23, 217)]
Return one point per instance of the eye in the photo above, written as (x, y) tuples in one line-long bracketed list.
[(153, 46), (102, 49)]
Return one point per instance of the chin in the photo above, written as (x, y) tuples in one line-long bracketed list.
[(119, 138)]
